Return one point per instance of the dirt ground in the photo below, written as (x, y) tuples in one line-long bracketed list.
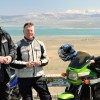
[(55, 91)]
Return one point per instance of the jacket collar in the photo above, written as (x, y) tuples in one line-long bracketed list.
[(28, 41)]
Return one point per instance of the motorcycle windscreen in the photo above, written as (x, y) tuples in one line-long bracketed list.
[(80, 60)]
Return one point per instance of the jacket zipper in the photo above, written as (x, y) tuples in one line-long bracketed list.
[(33, 59)]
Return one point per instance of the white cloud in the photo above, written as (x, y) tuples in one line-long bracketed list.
[(69, 18), (82, 11)]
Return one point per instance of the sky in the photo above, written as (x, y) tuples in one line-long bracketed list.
[(20, 7)]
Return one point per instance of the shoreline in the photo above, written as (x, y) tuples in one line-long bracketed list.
[(15, 38)]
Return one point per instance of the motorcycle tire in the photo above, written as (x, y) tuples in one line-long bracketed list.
[(15, 95)]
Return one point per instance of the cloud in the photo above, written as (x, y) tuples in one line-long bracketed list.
[(83, 12), (69, 18)]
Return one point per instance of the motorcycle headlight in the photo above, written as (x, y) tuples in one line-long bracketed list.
[(72, 76)]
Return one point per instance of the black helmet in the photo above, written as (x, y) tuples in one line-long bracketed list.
[(66, 52)]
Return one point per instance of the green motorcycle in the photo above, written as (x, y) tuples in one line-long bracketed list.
[(81, 78)]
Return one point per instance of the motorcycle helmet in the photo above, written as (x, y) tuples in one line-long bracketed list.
[(66, 52)]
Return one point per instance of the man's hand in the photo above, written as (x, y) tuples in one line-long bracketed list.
[(8, 59), (33, 63), (5, 60), (92, 61), (2, 59), (37, 63), (30, 64)]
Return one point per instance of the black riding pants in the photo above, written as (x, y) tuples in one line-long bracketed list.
[(38, 83), (4, 91)]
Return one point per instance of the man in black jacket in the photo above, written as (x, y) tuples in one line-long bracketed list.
[(7, 54)]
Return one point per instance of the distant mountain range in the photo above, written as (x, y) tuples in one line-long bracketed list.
[(68, 19)]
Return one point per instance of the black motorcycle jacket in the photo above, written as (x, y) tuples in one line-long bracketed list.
[(7, 48), (97, 60), (96, 66)]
